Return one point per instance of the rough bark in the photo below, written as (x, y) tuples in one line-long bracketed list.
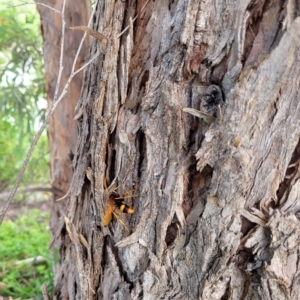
[(62, 130), (217, 211)]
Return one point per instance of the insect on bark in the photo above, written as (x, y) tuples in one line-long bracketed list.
[(115, 201)]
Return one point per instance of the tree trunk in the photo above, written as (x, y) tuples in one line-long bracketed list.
[(216, 211), (62, 131)]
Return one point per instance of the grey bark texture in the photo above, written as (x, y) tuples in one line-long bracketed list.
[(217, 211)]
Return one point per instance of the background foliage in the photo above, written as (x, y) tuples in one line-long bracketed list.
[(22, 109), (22, 92), (24, 238)]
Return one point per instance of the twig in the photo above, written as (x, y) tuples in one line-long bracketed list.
[(29, 190), (82, 40), (86, 64), (20, 176), (32, 261), (61, 67), (65, 90)]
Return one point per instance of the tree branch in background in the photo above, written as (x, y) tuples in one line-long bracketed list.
[(30, 190)]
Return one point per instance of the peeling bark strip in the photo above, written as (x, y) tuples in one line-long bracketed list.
[(216, 216)]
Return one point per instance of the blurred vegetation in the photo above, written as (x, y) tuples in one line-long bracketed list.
[(22, 93), (23, 238), (22, 110)]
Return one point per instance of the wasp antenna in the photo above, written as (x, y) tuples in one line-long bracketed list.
[(114, 190), (105, 182), (129, 191)]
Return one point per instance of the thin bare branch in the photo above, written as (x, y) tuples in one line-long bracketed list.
[(30, 190), (61, 58), (83, 38), (86, 64), (24, 166)]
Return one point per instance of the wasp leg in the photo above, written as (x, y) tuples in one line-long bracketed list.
[(121, 197), (129, 191), (119, 219)]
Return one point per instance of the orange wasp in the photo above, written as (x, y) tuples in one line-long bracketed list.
[(116, 201)]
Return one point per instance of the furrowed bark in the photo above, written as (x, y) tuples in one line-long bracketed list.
[(216, 212)]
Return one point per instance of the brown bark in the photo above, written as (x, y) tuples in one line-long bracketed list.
[(62, 130), (216, 215)]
